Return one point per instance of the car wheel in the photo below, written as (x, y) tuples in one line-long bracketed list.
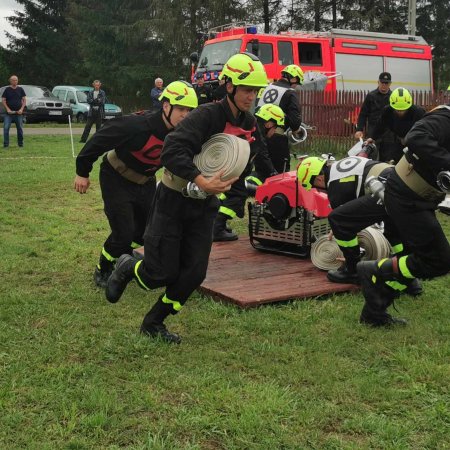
[(81, 118)]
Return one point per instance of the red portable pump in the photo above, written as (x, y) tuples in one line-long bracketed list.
[(285, 218)]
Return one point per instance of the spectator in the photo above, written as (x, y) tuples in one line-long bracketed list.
[(220, 92), (14, 100), (156, 92), (96, 100)]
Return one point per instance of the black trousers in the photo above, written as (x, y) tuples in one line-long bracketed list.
[(127, 206), (349, 219), (94, 118), (177, 243), (415, 219), (278, 148)]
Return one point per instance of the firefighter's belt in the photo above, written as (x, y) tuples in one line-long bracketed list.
[(416, 183), (223, 152), (173, 182), (126, 172), (376, 170)]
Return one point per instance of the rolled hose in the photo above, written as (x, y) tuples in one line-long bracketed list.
[(324, 252), (223, 152)]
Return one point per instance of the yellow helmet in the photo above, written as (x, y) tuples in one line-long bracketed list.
[(271, 112), (308, 169), (244, 69), (401, 99), (180, 93), (293, 71)]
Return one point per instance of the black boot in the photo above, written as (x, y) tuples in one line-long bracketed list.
[(220, 233), (153, 323), (344, 274), (121, 276), (103, 271), (377, 294), (414, 288)]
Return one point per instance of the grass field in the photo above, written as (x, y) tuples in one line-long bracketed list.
[(75, 373)]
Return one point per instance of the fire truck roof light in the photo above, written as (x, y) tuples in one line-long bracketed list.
[(251, 30)]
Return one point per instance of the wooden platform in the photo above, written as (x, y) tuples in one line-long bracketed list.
[(239, 274)]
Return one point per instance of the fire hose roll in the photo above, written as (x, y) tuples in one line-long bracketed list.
[(223, 152), (324, 252)]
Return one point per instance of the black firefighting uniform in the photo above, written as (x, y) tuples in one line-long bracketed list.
[(399, 126), (178, 236), (414, 216), (353, 210), (369, 115), (137, 140), (204, 94)]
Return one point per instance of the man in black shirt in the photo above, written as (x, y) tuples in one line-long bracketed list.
[(96, 100), (398, 117), (203, 92), (14, 100), (127, 173)]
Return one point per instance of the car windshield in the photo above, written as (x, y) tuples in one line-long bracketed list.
[(37, 91), (218, 54), (82, 96)]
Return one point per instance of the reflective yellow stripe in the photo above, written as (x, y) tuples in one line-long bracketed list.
[(397, 248), (227, 211), (396, 285), (138, 278), (403, 268), (222, 196), (346, 244), (135, 245), (257, 181), (107, 255), (381, 261), (347, 179), (175, 305)]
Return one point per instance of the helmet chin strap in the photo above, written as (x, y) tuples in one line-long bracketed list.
[(167, 117), (231, 97)]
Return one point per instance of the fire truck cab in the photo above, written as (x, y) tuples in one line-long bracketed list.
[(355, 58)]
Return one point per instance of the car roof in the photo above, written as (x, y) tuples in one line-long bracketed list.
[(75, 88)]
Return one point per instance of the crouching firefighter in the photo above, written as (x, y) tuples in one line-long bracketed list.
[(353, 208), (127, 173), (178, 236), (232, 203), (412, 194)]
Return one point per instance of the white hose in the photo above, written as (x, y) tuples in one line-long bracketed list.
[(223, 152)]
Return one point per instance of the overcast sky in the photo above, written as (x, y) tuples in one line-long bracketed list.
[(7, 8)]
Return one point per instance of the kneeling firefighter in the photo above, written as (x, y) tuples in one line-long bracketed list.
[(270, 119), (412, 194), (353, 208), (178, 236), (127, 172)]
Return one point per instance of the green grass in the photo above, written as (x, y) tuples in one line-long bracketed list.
[(75, 373)]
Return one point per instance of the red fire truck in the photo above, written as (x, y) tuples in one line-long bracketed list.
[(352, 60)]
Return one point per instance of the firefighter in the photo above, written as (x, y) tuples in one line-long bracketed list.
[(282, 93), (398, 117), (270, 120), (127, 172), (370, 112), (203, 91), (411, 196), (178, 235), (353, 209)]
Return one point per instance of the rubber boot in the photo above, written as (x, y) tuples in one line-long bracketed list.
[(377, 294), (220, 233), (121, 276), (414, 288), (347, 272), (103, 271), (153, 323)]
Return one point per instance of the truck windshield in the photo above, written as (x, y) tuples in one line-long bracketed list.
[(218, 54)]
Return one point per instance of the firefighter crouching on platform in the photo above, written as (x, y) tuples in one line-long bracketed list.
[(398, 117), (282, 93), (353, 209), (411, 197), (270, 119), (127, 173), (178, 236), (232, 203)]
